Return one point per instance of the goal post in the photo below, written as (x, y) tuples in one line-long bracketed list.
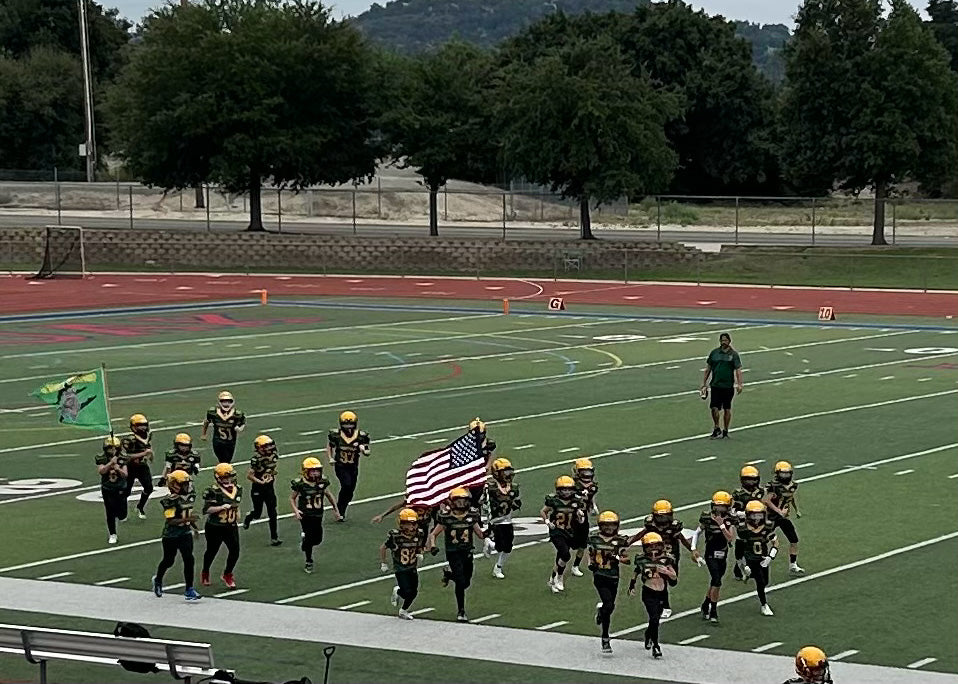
[(63, 254)]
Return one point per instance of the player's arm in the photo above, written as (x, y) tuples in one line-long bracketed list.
[(768, 501), (635, 579), (695, 537), (726, 530), (363, 443), (240, 422), (431, 541), (795, 505), (666, 571), (772, 552), (251, 477), (104, 468), (298, 514), (206, 424), (121, 469), (329, 455), (382, 558), (545, 514), (332, 502), (392, 509), (478, 531)]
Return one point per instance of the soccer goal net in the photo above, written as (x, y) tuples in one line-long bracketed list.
[(63, 253)]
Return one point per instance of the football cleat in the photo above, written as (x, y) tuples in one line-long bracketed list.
[(606, 647), (157, 587), (766, 610), (308, 568), (205, 579), (716, 433), (795, 569), (656, 651), (275, 542), (461, 617), (191, 595), (111, 539), (497, 572), (576, 571), (552, 585), (405, 615), (559, 584), (140, 514), (489, 548), (229, 580), (666, 613), (394, 597)]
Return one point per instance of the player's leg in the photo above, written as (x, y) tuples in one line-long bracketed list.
[(214, 539), (232, 542), (760, 575), (269, 497), (505, 538), (563, 554), (145, 478), (652, 600), (347, 476), (306, 545), (607, 588), (716, 568), (185, 544), (580, 539), (224, 451), (109, 507), (166, 562), (257, 496), (408, 583), (739, 559), (788, 529), (457, 573)]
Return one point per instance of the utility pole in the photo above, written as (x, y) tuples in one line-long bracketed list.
[(199, 201), (90, 142)]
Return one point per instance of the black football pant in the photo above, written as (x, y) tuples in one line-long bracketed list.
[(607, 587), (760, 575), (788, 529), (654, 604), (263, 495), (739, 555), (460, 570), (224, 451), (716, 566), (217, 535), (114, 501), (504, 536), (408, 581), (312, 535), (563, 553), (347, 476), (139, 472), (171, 546)]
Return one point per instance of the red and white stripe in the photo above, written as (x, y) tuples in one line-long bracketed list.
[(429, 479)]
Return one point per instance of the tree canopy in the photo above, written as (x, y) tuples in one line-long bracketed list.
[(576, 118), (244, 92)]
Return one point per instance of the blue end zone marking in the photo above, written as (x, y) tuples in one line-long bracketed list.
[(89, 313), (633, 317)]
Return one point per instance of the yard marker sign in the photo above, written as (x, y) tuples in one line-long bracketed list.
[(826, 313), (556, 304)]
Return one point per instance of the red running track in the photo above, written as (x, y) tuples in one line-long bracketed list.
[(20, 295)]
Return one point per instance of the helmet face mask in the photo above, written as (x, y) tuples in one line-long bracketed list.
[(139, 425), (755, 513), (312, 469), (565, 487), (182, 444), (225, 476), (264, 445), (178, 481), (721, 503), (225, 401), (347, 422), (586, 474), (112, 446), (502, 470), (608, 523), (784, 476), (460, 499), (408, 521)]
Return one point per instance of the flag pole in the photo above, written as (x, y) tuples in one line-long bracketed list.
[(106, 395)]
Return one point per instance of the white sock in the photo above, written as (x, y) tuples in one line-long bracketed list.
[(503, 557)]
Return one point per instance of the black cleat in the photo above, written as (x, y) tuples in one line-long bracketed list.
[(656, 651), (648, 643), (461, 617), (275, 542), (606, 647), (246, 522), (724, 434), (716, 433)]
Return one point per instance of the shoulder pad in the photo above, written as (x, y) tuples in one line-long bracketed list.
[(648, 519)]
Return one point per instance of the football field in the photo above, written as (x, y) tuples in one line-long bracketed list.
[(865, 409)]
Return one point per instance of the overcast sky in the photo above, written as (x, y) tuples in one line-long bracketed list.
[(759, 11)]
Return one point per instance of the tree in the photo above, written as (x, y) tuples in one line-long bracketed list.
[(243, 92), (869, 101), (576, 119), (41, 110), (944, 24), (440, 120)]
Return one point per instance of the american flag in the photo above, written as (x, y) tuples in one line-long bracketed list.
[(433, 475)]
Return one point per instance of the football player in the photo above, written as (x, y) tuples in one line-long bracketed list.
[(179, 529), (180, 457), (811, 666), (502, 498), (583, 474), (112, 466), (761, 547), (343, 450), (306, 500), (657, 570), (662, 522), (221, 504), (459, 521), (262, 473), (407, 544), (607, 549), (750, 490), (227, 423), (139, 454), (424, 513), (486, 447), (780, 501), (716, 525), (561, 512)]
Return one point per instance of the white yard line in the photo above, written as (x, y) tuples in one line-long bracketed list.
[(115, 580), (485, 618), (842, 655), (421, 611), (547, 649), (750, 596), (767, 647), (920, 663), (358, 604), (551, 625), (231, 592), (56, 575), (695, 639)]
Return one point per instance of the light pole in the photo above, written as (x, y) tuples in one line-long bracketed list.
[(90, 142)]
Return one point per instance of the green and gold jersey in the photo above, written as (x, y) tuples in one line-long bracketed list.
[(647, 568), (714, 539), (426, 517), (309, 496), (225, 424), (782, 495), (604, 554), (405, 549), (346, 450), (188, 462), (671, 533), (177, 507), (742, 496), (136, 447), (458, 528), (217, 496), (264, 467), (502, 502), (565, 513), (758, 541), (586, 491), (112, 479)]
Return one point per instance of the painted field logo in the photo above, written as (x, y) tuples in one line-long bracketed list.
[(35, 485)]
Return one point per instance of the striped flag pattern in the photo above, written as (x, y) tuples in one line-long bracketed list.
[(431, 476)]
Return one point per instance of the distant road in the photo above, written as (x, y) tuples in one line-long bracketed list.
[(745, 236)]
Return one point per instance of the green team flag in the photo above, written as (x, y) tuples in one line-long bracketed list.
[(81, 400)]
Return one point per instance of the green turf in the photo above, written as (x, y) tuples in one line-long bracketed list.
[(826, 396)]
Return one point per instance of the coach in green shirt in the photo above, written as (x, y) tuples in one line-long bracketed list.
[(724, 367)]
